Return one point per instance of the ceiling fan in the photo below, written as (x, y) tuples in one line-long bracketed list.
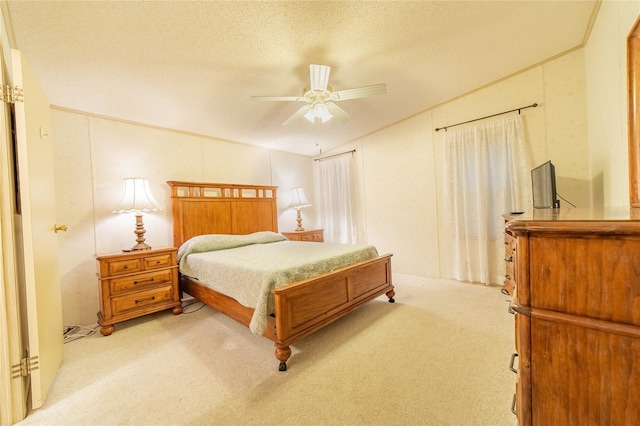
[(321, 98)]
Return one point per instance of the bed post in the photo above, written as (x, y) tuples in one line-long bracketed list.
[(282, 354)]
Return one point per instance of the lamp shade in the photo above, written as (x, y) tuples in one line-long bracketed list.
[(298, 199), (137, 197)]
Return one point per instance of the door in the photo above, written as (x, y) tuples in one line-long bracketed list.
[(41, 304)]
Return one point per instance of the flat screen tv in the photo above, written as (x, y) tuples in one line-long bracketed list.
[(543, 179)]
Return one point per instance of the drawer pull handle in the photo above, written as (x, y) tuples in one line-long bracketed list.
[(513, 405), (143, 282), (507, 277), (509, 259), (510, 309), (152, 298), (513, 359)]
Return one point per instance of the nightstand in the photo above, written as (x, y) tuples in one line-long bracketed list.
[(136, 283), (315, 235)]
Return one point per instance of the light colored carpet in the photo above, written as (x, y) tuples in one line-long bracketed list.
[(438, 356)]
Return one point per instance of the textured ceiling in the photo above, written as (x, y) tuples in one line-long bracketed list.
[(193, 66)]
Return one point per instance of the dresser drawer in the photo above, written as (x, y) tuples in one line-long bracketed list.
[(140, 300), (509, 239), (139, 281), (509, 245), (509, 261), (509, 271)]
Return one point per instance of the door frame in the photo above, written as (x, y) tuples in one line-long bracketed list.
[(13, 394)]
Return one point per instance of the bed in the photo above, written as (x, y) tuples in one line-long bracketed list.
[(297, 309)]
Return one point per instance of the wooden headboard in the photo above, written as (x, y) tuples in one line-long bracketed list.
[(220, 208)]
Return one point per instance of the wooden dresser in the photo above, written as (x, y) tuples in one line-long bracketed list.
[(315, 235), (577, 321), (136, 283)]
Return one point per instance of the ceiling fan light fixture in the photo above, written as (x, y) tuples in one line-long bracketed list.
[(310, 115), (320, 98), (320, 111)]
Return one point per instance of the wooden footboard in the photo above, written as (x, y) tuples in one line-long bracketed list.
[(306, 306)]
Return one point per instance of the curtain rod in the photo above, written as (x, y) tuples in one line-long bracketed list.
[(334, 155), (488, 116)]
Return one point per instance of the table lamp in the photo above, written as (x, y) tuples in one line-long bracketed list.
[(137, 198), (298, 201)]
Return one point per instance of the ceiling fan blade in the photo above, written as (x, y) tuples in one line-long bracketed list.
[(338, 112), (296, 115), (319, 75), (359, 92), (277, 98)]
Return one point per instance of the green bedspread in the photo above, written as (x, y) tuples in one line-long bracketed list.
[(248, 267)]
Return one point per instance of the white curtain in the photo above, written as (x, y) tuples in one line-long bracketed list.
[(487, 174), (337, 200)]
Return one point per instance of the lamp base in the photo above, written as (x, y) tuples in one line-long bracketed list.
[(140, 246), (299, 221), (140, 235)]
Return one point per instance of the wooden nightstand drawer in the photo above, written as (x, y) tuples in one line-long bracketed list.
[(132, 302), (136, 283), (140, 281), (312, 235), (155, 262), (126, 266)]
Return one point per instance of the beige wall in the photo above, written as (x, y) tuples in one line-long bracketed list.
[(400, 195), (605, 64), (93, 155), (580, 124), (401, 167)]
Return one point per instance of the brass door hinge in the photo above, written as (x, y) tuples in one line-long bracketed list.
[(25, 367), (11, 95)]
